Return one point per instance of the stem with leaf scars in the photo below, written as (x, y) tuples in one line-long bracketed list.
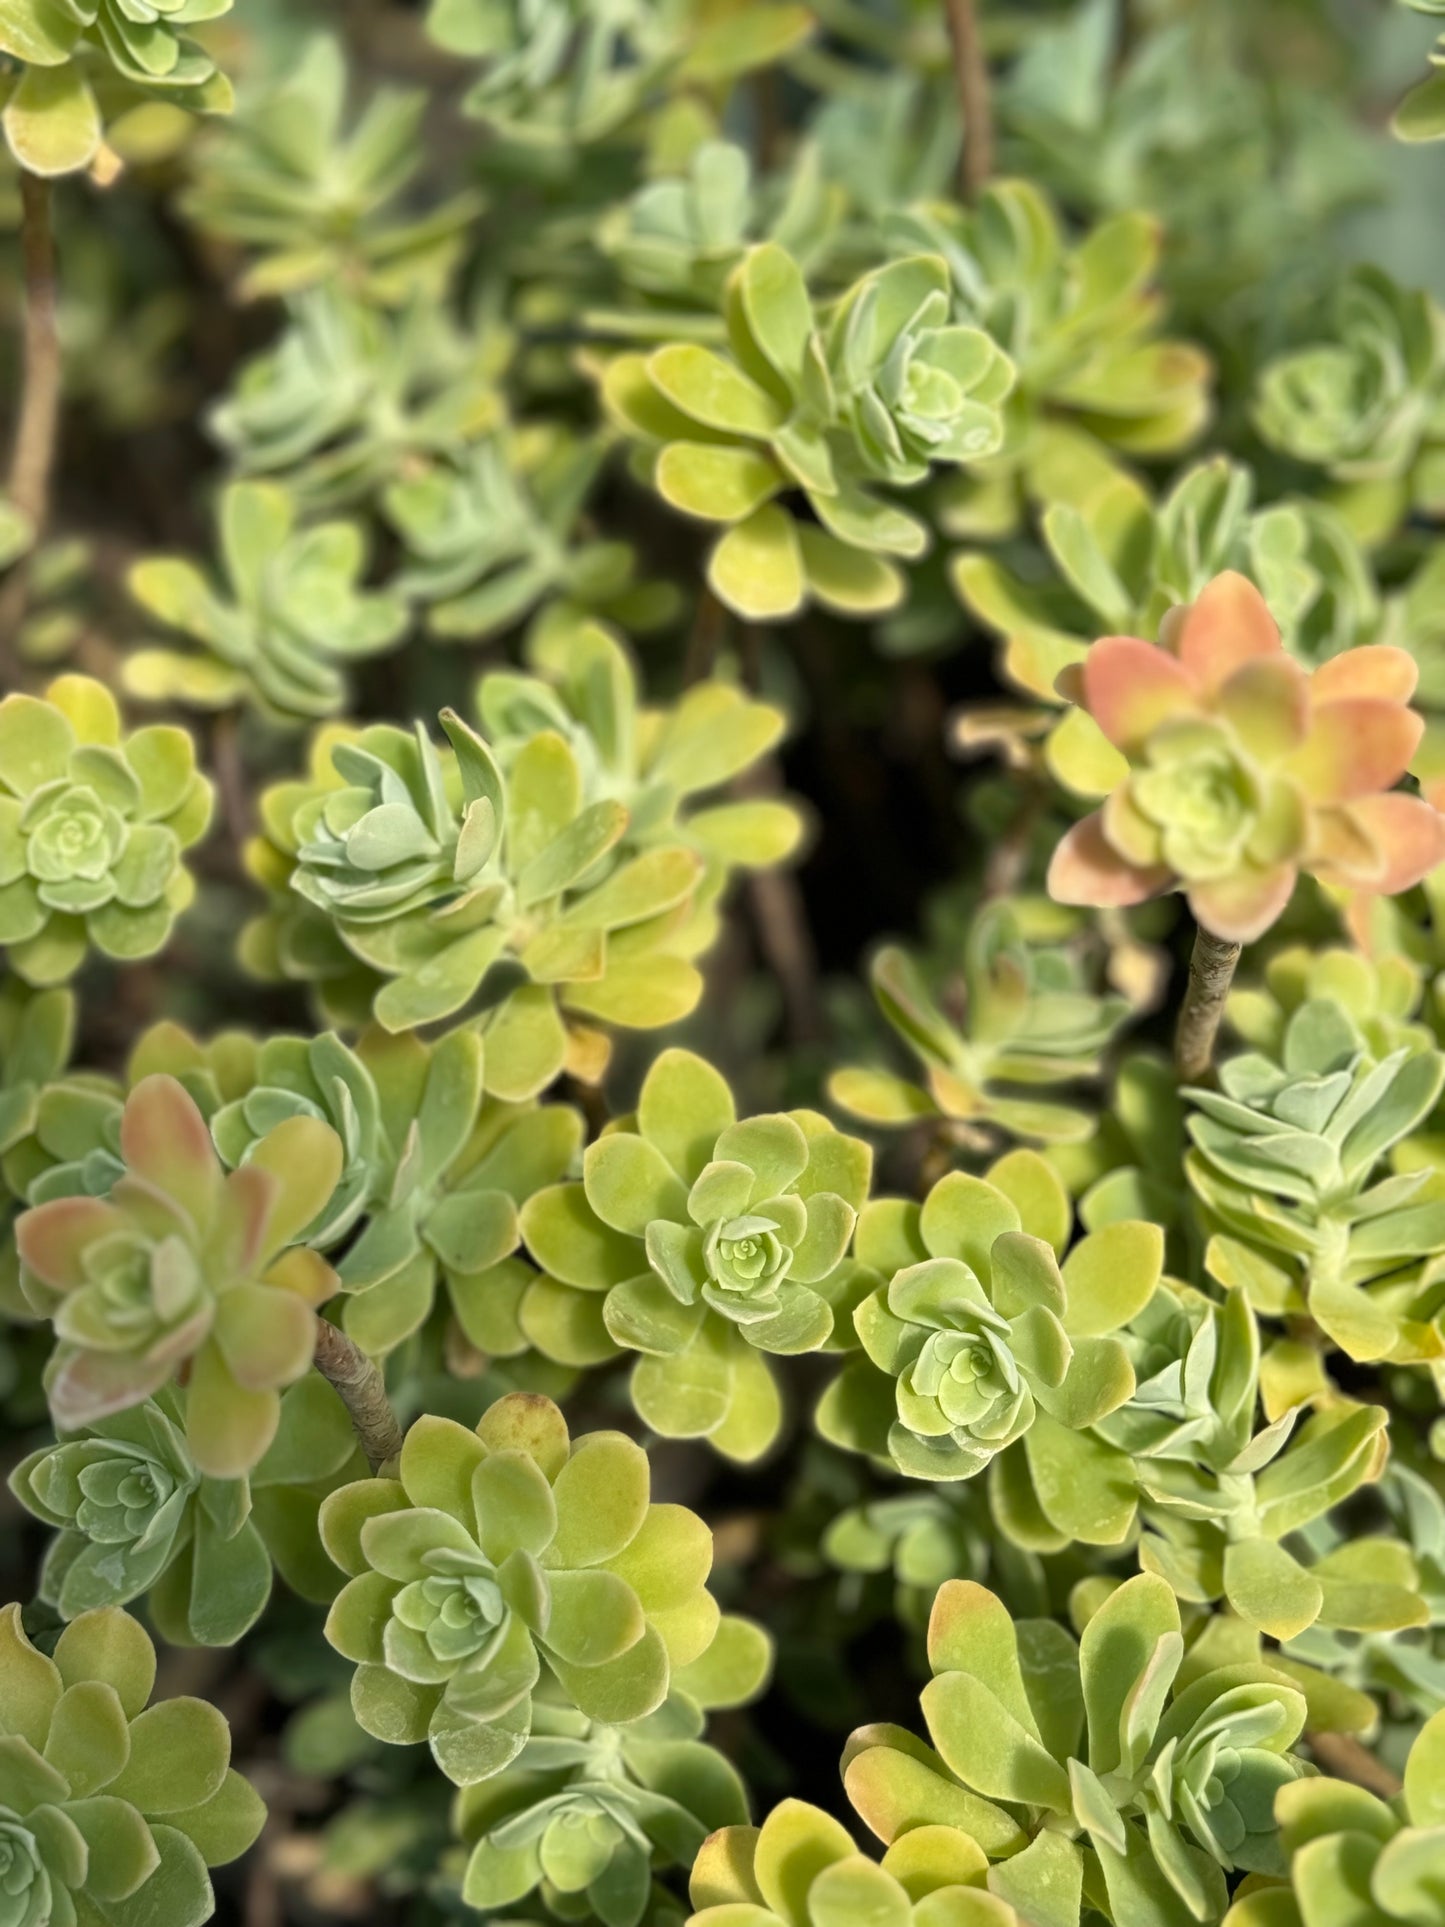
[(1345, 1759), (37, 428), (1211, 971), (970, 77), (362, 1390)]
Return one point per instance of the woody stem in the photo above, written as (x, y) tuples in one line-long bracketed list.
[(362, 1390), (970, 79), (1211, 971)]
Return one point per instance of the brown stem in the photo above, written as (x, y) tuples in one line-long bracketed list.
[(36, 430), (1211, 971), (1345, 1759), (230, 771), (970, 78), (35, 433), (362, 1389)]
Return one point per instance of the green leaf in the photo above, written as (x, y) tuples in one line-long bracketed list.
[(757, 567), (52, 122)]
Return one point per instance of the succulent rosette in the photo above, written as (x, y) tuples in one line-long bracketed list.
[(888, 390), (182, 1268), (92, 826), (72, 53), (405, 874), (1097, 1766), (714, 1240), (980, 1337), (588, 1812), (494, 1552), (1228, 768), (1346, 1847), (110, 1809), (134, 1514)]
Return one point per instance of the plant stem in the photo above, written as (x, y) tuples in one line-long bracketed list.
[(1211, 971), (970, 78), (37, 426), (35, 433), (362, 1390), (1345, 1759)]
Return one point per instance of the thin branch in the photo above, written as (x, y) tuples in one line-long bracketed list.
[(362, 1389), (35, 434), (970, 78), (37, 427), (1345, 1759), (1211, 971)]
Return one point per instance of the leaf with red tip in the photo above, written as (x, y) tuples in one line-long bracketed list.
[(1378, 669), (89, 1386), (1408, 832), (164, 1140), (1130, 687), (1241, 907), (1355, 748), (52, 1238), (1227, 625), (237, 1245), (1087, 869)]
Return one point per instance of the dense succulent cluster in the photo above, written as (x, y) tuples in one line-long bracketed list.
[(750, 1014)]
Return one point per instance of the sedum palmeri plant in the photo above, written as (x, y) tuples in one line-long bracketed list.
[(183, 1264), (1228, 769), (722, 964), (113, 1808), (93, 826), (496, 1550)]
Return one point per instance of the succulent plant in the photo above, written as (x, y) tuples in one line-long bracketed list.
[(1348, 1847), (135, 1515), (1379, 996), (675, 241), (93, 824), (493, 537), (568, 73), (801, 1868), (449, 1171), (1218, 1494), (977, 1337), (659, 760), (37, 1034), (1117, 560), (531, 54), (1366, 405), (1287, 1162), (184, 1266), (71, 52), (112, 1809), (1130, 1783), (1227, 768), (1080, 325), (351, 396), (314, 201), (496, 1550), (431, 868), (1028, 1021), (713, 1239), (292, 616), (892, 389), (587, 1811)]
